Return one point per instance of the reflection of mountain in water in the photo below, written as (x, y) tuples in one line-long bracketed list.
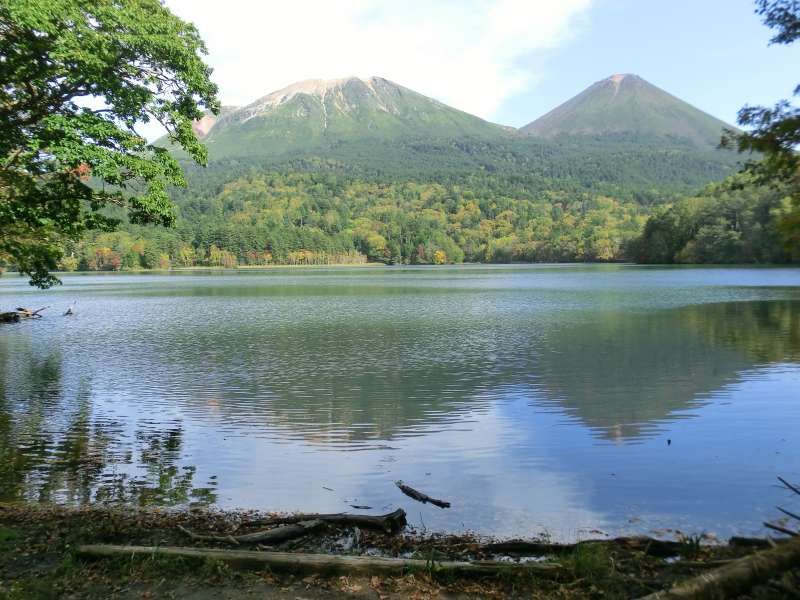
[(337, 380), (621, 374), (357, 383)]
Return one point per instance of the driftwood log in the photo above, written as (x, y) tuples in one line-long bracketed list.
[(392, 522), (788, 513), (794, 488), (781, 529), (737, 577), (317, 563), (268, 537), (21, 313), (749, 542), (419, 496), (651, 546)]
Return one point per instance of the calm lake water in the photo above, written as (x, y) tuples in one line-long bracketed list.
[(535, 399)]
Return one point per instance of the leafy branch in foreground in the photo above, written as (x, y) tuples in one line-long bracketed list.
[(774, 133), (77, 77)]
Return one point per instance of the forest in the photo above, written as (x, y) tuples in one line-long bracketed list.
[(736, 221), (319, 216), (325, 218)]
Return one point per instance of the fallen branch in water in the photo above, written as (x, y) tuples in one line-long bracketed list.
[(21, 313), (419, 496), (782, 529), (735, 578), (319, 563), (392, 522), (788, 513), (268, 537), (31, 313), (796, 490)]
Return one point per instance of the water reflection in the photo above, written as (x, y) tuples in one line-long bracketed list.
[(516, 394), (623, 374), (358, 386), (53, 448)]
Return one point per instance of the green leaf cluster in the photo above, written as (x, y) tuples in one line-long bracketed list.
[(773, 133), (737, 221), (78, 77)]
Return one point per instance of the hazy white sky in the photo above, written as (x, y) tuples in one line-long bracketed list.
[(471, 54)]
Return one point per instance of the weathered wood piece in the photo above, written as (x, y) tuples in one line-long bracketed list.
[(392, 522), (269, 537), (795, 489), (419, 496), (748, 542), (21, 313), (789, 513), (737, 577), (651, 546), (700, 564), (317, 563), (782, 529), (526, 548)]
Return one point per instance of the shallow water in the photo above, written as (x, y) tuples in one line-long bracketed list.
[(537, 398)]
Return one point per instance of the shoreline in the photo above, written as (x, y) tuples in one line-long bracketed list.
[(379, 265), (47, 549)]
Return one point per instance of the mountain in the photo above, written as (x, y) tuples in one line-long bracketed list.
[(349, 170), (378, 129), (627, 105), (317, 113)]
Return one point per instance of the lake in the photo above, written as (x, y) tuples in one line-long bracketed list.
[(569, 400)]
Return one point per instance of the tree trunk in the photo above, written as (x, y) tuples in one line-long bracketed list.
[(269, 537), (389, 523), (736, 577)]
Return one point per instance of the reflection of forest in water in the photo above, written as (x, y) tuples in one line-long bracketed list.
[(53, 449), (356, 384)]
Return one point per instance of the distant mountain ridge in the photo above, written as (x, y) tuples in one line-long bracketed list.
[(622, 133), (352, 169), (627, 104), (318, 112)]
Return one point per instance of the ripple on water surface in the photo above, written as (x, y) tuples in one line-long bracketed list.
[(533, 398)]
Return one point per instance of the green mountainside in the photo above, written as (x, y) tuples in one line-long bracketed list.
[(378, 128), (354, 170), (629, 105), (319, 114)]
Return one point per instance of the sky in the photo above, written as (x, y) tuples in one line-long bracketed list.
[(508, 61)]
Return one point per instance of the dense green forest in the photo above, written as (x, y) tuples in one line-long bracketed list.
[(735, 221), (329, 216), (315, 217)]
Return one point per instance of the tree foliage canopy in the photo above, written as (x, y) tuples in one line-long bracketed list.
[(783, 16), (774, 132), (77, 77), (736, 221)]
